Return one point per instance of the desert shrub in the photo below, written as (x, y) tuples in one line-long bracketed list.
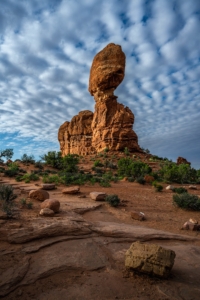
[(2, 169), (27, 159), (129, 168), (182, 173), (98, 163), (187, 201), (131, 179), (53, 159), (70, 162), (13, 170), (126, 151), (52, 179), (140, 180), (104, 183), (179, 190), (30, 177), (39, 165), (29, 205), (7, 154), (106, 150), (7, 196), (113, 200), (18, 178), (158, 187)]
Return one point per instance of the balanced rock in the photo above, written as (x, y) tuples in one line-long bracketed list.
[(71, 190), (46, 212), (111, 124), (48, 186), (39, 195), (51, 204), (98, 196), (150, 259)]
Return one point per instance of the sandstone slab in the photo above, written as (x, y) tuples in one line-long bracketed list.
[(48, 186), (150, 259), (71, 190)]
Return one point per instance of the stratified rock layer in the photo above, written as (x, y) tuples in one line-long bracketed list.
[(111, 124), (76, 136)]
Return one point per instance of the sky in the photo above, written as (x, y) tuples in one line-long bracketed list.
[(46, 51)]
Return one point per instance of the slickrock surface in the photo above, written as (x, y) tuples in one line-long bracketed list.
[(111, 124)]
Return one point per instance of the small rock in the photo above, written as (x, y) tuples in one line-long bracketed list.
[(71, 190), (150, 259), (48, 186), (125, 179), (39, 195), (137, 215), (192, 187), (98, 196), (82, 196), (51, 204), (191, 226), (193, 221), (170, 187), (148, 178), (46, 212)]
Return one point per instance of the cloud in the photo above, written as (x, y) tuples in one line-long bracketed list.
[(47, 48)]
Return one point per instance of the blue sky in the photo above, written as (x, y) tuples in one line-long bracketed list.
[(46, 51)]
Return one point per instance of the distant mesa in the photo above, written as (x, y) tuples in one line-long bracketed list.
[(110, 126)]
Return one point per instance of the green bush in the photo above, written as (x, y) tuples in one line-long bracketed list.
[(98, 163), (131, 179), (129, 168), (158, 188), (27, 159), (30, 177), (39, 165), (182, 173), (179, 190), (53, 159), (29, 205), (113, 200), (7, 153), (7, 196), (126, 151), (187, 201), (52, 179), (140, 180)]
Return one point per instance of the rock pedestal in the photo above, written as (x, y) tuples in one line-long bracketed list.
[(111, 124)]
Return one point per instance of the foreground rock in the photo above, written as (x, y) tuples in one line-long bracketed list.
[(71, 190), (150, 259), (98, 196), (39, 195), (170, 187), (46, 212), (51, 204), (111, 124)]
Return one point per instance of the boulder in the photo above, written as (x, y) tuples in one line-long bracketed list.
[(193, 226), (48, 186), (51, 204), (71, 190), (137, 215), (150, 259), (46, 212), (182, 160), (98, 196), (170, 187), (39, 195), (148, 178)]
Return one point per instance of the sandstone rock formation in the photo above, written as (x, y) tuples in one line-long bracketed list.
[(111, 124), (182, 160)]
